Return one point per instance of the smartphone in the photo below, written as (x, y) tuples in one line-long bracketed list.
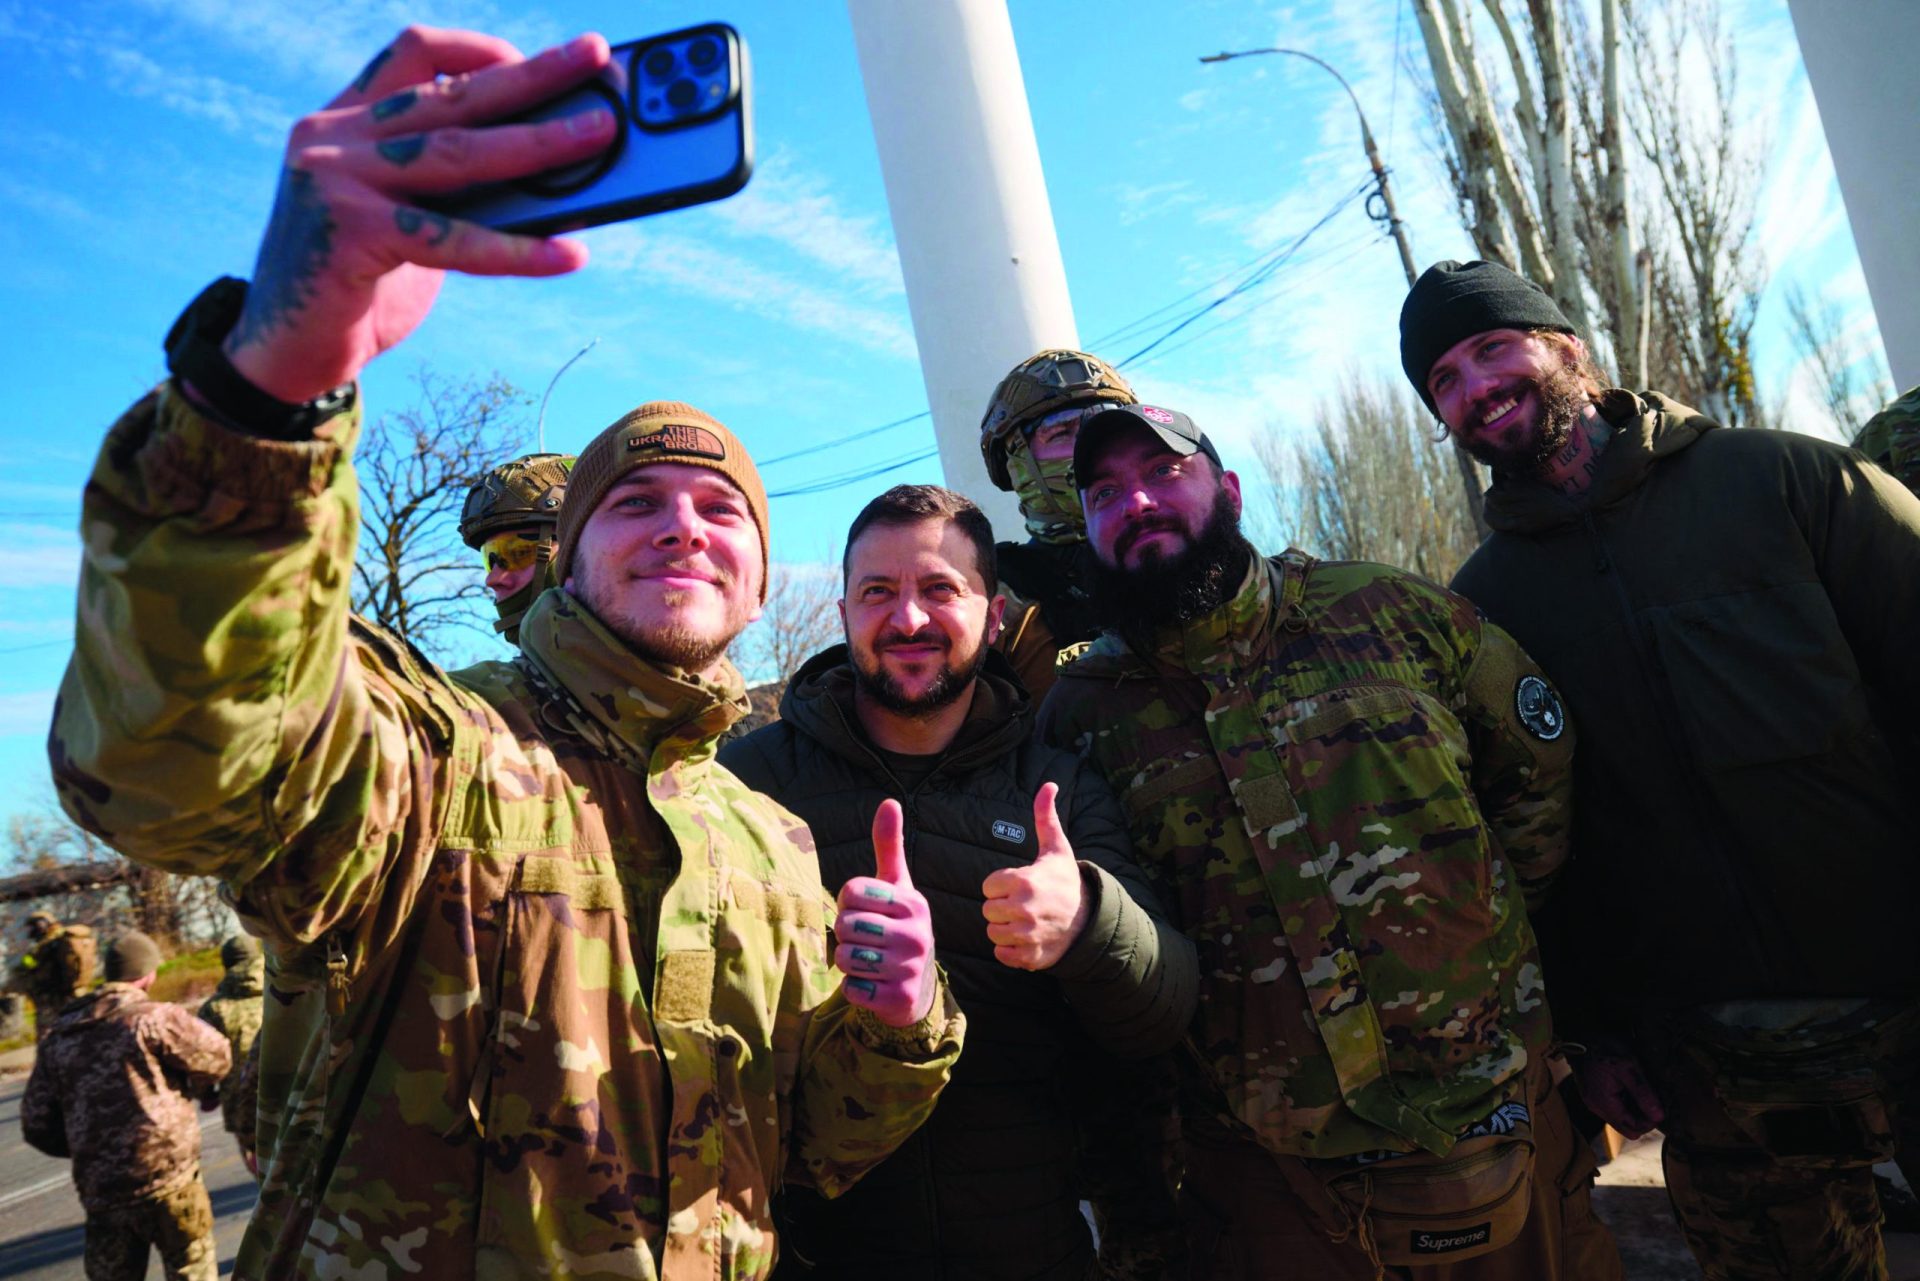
[(686, 138)]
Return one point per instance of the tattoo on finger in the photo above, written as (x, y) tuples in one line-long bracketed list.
[(872, 928), (394, 104), (864, 987), (883, 893), (418, 222), (365, 78), (867, 957), (402, 151)]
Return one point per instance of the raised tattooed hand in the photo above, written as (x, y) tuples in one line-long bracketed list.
[(884, 933), (349, 264), (1034, 913)]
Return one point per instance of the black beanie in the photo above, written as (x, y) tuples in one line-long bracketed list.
[(1456, 300)]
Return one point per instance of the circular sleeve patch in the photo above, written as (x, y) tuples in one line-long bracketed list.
[(1539, 708)]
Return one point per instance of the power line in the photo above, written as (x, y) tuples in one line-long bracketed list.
[(847, 439), (1257, 278), (852, 478)]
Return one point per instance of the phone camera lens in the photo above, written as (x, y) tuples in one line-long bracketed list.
[(682, 94), (660, 63), (703, 55)]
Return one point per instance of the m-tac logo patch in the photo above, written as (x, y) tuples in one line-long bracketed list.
[(679, 438), (1011, 832), (1453, 1239)]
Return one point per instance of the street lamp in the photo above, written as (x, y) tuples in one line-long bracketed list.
[(1388, 214), (541, 429)]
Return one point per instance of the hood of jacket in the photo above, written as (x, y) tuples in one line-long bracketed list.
[(1646, 428), (819, 702)]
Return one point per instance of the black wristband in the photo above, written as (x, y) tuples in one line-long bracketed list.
[(195, 357)]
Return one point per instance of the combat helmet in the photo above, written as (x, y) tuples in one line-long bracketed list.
[(526, 493), (1043, 384)]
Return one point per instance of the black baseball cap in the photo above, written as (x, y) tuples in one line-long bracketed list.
[(1173, 429)]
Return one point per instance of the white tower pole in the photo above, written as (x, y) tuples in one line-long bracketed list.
[(1859, 56), (971, 220)]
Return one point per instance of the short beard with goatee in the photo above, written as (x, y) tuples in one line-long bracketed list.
[(877, 683), (1172, 590), (1563, 398)]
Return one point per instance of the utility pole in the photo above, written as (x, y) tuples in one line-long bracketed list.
[(540, 431), (1388, 213)]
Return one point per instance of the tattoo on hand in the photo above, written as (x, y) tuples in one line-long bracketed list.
[(402, 151), (295, 251), (412, 222), (365, 78), (394, 104)]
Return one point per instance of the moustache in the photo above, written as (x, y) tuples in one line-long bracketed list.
[(1155, 524), (925, 636), (712, 573)]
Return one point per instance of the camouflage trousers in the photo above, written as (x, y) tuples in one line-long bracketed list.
[(1245, 1222), (1777, 1183), (179, 1225)]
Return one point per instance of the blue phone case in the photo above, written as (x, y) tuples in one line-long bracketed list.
[(687, 139)]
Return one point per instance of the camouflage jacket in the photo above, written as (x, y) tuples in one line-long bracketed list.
[(56, 971), (551, 991), (1346, 781), (234, 1010), (114, 1086), (1892, 439)]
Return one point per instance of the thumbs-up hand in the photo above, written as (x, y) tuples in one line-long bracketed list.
[(1034, 913), (884, 933)]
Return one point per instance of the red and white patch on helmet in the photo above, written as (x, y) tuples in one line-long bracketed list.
[(1156, 413)]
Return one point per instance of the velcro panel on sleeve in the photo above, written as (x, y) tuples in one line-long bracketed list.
[(588, 891)]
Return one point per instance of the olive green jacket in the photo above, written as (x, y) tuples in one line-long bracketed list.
[(552, 993)]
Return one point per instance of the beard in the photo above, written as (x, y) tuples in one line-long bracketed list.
[(1173, 589), (668, 642), (956, 675), (1563, 398)]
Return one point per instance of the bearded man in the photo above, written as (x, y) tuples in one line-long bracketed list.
[(1730, 614), (1347, 786), (1046, 929)]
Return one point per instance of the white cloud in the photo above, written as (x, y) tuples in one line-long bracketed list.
[(794, 209), (38, 555), (656, 259)]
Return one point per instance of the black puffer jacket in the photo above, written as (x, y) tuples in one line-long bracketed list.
[(985, 1191), (1731, 616)]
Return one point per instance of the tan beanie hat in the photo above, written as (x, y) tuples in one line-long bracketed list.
[(660, 431)]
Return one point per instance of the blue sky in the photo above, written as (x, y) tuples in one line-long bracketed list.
[(139, 142)]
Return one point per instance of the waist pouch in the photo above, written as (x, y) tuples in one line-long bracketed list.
[(1418, 1208), (1810, 1106)]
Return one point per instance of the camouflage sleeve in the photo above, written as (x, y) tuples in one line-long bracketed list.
[(1891, 438), (863, 1087), (196, 1057), (1522, 746), (43, 1121), (214, 719), (1132, 975)]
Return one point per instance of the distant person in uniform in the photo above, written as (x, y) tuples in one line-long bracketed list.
[(1892, 439), (56, 969), (234, 1010), (114, 1086)]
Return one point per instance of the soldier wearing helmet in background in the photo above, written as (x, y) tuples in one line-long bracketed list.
[(1026, 438), (56, 970), (1892, 439), (512, 518)]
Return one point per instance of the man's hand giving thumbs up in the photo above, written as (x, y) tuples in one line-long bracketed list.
[(1034, 913), (884, 932)]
